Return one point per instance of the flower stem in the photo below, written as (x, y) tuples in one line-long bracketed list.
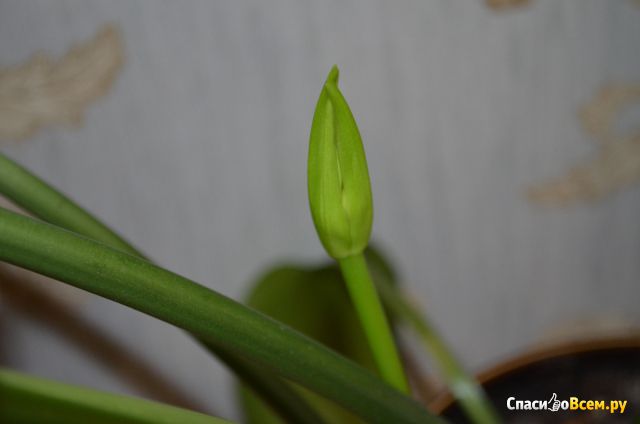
[(369, 309), (463, 386)]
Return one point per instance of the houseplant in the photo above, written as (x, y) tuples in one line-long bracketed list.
[(70, 245), (278, 364)]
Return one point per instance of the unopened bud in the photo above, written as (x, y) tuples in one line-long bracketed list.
[(338, 178)]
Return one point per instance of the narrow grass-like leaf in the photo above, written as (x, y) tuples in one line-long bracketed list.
[(279, 395), (137, 283), (469, 394), (29, 400), (42, 200)]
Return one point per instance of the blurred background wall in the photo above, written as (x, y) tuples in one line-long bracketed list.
[(197, 153)]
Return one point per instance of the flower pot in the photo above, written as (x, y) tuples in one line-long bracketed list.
[(595, 370)]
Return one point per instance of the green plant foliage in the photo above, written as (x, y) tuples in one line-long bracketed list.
[(29, 400), (137, 283), (314, 301), (42, 200)]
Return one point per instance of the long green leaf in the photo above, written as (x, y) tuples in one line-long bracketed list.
[(463, 386), (29, 400), (42, 200), (39, 198), (137, 283), (280, 396), (467, 391)]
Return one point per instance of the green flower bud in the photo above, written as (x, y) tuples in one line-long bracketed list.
[(338, 179)]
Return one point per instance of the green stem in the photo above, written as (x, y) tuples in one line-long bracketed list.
[(367, 304), (44, 201), (27, 400), (462, 385), (137, 283)]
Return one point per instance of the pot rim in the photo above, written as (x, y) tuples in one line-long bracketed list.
[(444, 399)]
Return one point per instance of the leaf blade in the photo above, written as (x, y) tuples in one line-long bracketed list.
[(141, 285)]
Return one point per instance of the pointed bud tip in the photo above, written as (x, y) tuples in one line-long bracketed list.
[(332, 78)]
